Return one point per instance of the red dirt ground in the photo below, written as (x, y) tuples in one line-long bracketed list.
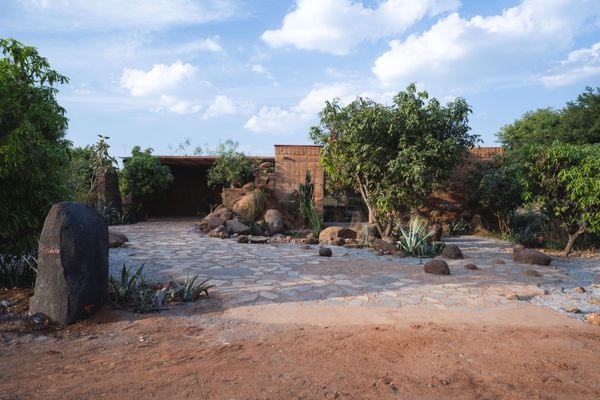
[(190, 353)]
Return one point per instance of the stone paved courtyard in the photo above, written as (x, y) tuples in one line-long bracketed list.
[(248, 274)]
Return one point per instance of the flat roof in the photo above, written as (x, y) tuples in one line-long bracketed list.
[(201, 160)]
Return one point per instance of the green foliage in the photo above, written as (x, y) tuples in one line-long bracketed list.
[(577, 123), (306, 204), (257, 205), (501, 192), (131, 290), (17, 271), (416, 241), (393, 155), (87, 166), (564, 180), (144, 177), (231, 168), (33, 150), (189, 290), (459, 227)]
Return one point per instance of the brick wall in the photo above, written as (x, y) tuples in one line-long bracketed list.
[(291, 164)]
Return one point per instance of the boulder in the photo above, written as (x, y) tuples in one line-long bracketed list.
[(213, 221), (530, 256), (72, 263), (274, 221), (116, 239), (219, 232), (437, 267), (245, 206), (382, 246), (329, 235), (225, 214), (325, 251), (236, 228), (452, 251), (472, 267)]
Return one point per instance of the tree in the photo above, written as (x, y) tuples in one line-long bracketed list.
[(231, 168), (501, 192), (393, 155), (564, 180), (33, 150), (144, 177), (578, 123), (540, 126), (87, 167)]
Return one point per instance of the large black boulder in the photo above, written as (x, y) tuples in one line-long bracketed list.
[(72, 263)]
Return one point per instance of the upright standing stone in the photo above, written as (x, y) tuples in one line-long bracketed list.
[(72, 263)]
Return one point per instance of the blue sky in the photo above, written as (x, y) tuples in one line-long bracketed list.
[(156, 72)]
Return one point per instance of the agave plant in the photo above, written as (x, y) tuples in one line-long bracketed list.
[(416, 241), (188, 290), (121, 291)]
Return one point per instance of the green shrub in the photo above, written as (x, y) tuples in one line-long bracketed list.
[(189, 290), (131, 290), (416, 241), (17, 271), (306, 205), (33, 148), (231, 168), (144, 178)]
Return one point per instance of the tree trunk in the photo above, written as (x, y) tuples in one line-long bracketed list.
[(571, 241), (365, 196)]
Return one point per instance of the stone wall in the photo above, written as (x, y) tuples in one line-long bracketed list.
[(291, 164)]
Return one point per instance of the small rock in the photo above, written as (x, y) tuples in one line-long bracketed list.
[(532, 272), (385, 247), (512, 296), (310, 239), (471, 267), (593, 300), (325, 251), (437, 267), (218, 231), (498, 261), (572, 310), (242, 239), (579, 290), (452, 251), (274, 221), (236, 227), (593, 318), (258, 239), (339, 241), (305, 247), (214, 221)]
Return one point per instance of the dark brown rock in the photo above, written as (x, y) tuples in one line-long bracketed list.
[(437, 267), (471, 267), (310, 239), (274, 221), (116, 239), (325, 252), (530, 256), (329, 235), (532, 272), (213, 221), (452, 251), (236, 228), (72, 263), (242, 239)]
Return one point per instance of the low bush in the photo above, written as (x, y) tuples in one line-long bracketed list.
[(189, 290), (416, 241), (18, 271)]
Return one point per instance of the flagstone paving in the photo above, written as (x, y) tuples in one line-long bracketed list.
[(247, 274)]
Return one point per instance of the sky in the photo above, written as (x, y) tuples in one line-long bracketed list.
[(157, 72)]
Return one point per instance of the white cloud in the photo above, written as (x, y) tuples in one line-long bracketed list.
[(259, 69), (297, 119), (579, 65), (337, 26), (178, 106), (159, 79), (223, 105), (118, 14), (490, 48), (207, 44)]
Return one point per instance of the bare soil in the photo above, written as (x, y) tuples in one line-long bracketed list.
[(195, 352)]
